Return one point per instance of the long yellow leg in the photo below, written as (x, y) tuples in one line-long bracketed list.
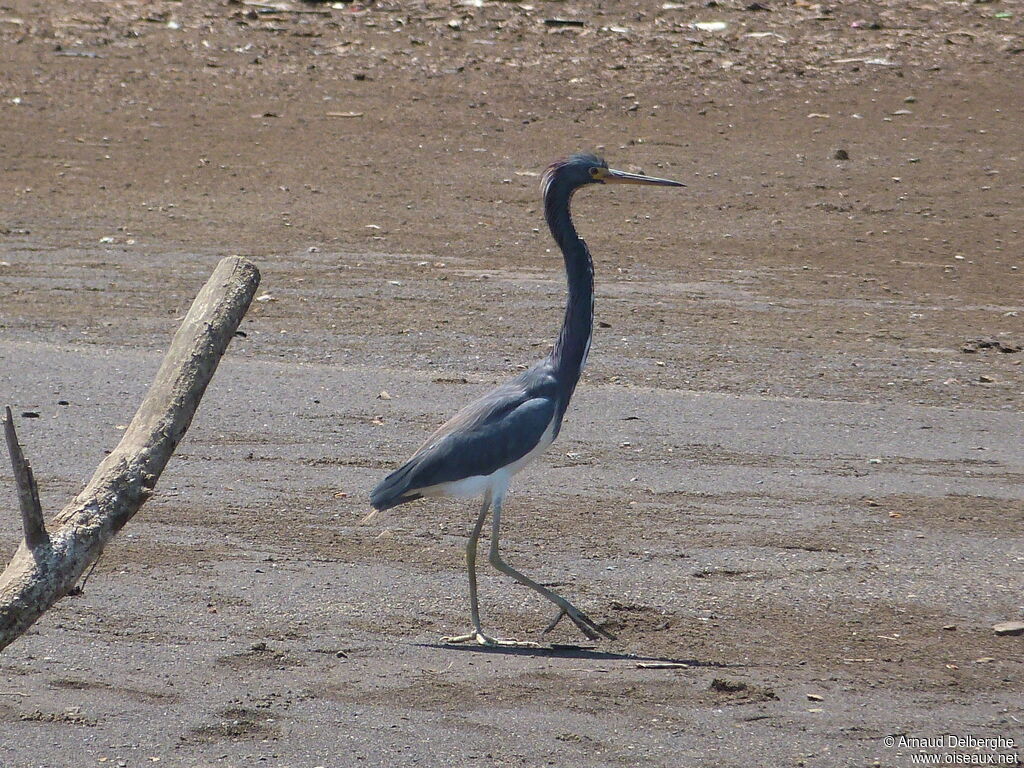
[(587, 626), (478, 635)]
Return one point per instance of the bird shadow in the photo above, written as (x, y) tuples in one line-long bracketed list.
[(580, 652)]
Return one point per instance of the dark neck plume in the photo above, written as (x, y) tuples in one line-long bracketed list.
[(570, 352)]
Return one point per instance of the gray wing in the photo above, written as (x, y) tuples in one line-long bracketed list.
[(497, 429)]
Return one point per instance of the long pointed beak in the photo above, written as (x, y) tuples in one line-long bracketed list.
[(621, 177)]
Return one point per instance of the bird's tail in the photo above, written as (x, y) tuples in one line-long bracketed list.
[(393, 490)]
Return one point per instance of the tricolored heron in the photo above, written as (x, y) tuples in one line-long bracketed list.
[(490, 440)]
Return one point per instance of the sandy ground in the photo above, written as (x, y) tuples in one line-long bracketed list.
[(791, 482)]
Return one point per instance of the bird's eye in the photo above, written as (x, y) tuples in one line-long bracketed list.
[(594, 172)]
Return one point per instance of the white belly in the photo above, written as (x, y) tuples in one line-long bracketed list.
[(496, 482)]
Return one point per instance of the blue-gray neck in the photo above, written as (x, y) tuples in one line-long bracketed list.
[(570, 352)]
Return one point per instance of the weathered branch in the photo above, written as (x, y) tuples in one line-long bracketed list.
[(41, 573), (28, 491)]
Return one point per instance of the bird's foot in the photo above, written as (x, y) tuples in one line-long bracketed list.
[(587, 626), (489, 642)]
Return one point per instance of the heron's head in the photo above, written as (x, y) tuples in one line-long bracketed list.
[(583, 168)]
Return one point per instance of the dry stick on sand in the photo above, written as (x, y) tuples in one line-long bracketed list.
[(47, 566)]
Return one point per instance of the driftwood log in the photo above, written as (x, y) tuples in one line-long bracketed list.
[(46, 565)]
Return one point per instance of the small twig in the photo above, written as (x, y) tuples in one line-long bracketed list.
[(79, 588), (270, 8), (28, 491)]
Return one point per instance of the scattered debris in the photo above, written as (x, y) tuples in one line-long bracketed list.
[(742, 691), (722, 685), (1009, 628), (976, 345), (71, 716)]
